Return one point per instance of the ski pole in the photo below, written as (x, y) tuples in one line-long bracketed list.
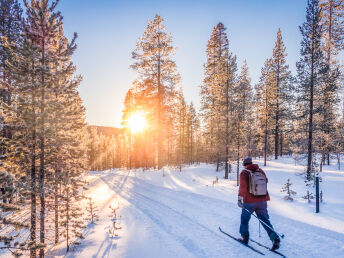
[(282, 236)]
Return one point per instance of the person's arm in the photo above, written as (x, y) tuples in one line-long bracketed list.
[(242, 188), (243, 185)]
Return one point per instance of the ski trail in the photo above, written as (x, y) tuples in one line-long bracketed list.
[(195, 237), (214, 212)]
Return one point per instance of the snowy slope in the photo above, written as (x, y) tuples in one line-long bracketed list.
[(172, 214)]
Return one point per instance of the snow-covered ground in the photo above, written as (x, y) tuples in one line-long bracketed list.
[(171, 214)]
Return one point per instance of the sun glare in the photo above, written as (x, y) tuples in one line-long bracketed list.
[(137, 122)]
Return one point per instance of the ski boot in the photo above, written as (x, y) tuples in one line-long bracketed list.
[(275, 244), (244, 239)]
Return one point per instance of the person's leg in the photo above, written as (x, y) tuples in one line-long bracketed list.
[(245, 218), (263, 215)]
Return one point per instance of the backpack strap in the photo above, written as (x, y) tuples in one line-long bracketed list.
[(249, 171)]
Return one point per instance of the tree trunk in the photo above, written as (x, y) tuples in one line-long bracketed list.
[(67, 219), (160, 97), (265, 143), (266, 126), (227, 124), (56, 208), (238, 162), (310, 124), (33, 194), (33, 176), (277, 116), (42, 156)]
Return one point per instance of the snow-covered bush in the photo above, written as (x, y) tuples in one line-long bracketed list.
[(290, 193), (92, 210), (309, 196), (112, 231)]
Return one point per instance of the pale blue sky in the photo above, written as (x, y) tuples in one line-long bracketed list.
[(108, 31)]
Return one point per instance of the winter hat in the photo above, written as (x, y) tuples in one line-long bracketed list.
[(247, 161)]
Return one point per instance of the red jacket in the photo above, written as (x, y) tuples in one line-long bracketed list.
[(244, 186)]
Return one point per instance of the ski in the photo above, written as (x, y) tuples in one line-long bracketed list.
[(266, 247), (236, 239)]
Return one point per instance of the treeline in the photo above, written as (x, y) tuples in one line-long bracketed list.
[(43, 131), (283, 113)]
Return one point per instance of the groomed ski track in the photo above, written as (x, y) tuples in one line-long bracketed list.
[(160, 222)]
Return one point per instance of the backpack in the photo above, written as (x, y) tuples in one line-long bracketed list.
[(257, 183)]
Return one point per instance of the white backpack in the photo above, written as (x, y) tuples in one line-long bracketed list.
[(257, 183)]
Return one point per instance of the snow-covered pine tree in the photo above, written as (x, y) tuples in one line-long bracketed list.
[(181, 134), (311, 70), (309, 196), (216, 103), (158, 77), (23, 114), (332, 14), (73, 165), (283, 93), (193, 126), (42, 83), (263, 99), (42, 29), (71, 216), (241, 119), (286, 188), (10, 29), (112, 231), (339, 141), (66, 121), (92, 210)]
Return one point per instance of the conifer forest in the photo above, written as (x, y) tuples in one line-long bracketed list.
[(169, 172)]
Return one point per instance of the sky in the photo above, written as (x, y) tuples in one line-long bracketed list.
[(108, 31)]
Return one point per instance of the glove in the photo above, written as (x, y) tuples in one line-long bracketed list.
[(240, 201)]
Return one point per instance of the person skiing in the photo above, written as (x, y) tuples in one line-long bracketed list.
[(253, 197)]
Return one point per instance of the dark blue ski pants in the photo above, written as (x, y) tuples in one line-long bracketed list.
[(260, 208)]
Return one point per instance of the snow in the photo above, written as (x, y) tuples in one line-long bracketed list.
[(169, 213)]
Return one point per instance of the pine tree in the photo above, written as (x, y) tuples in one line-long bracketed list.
[(92, 210), (286, 188), (182, 127), (71, 215), (193, 126), (242, 115), (311, 69), (46, 99), (216, 103), (10, 29), (23, 115), (158, 76), (264, 95), (283, 92), (332, 13)]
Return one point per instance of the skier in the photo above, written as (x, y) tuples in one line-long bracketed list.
[(253, 197)]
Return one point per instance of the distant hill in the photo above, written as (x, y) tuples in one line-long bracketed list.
[(106, 130)]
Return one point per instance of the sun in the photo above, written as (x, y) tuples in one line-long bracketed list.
[(137, 122)]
